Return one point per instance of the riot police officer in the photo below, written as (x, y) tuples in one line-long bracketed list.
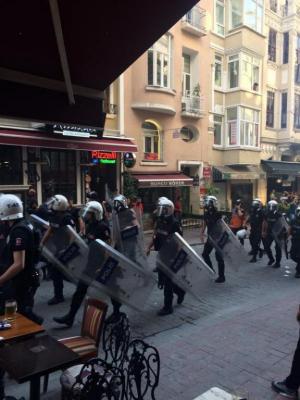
[(255, 220), (166, 225), (295, 234), (95, 228), (211, 216), (270, 218), (59, 217), (19, 257)]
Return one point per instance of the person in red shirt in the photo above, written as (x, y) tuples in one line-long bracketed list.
[(178, 209), (238, 218)]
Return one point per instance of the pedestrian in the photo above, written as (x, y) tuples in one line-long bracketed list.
[(294, 232), (270, 218), (166, 225), (255, 220), (211, 216), (290, 386), (95, 228), (238, 217), (19, 257), (58, 218), (74, 211)]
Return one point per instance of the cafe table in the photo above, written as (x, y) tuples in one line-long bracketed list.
[(21, 328), (31, 359)]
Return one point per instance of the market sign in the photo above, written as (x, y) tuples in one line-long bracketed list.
[(207, 172), (104, 157)]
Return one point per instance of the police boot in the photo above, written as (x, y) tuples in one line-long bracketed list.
[(271, 261), (67, 319), (260, 253), (165, 311), (253, 259)]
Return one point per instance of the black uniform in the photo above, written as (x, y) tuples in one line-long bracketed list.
[(295, 249), (256, 220), (24, 285), (94, 230), (210, 218), (164, 228), (271, 218), (58, 220)]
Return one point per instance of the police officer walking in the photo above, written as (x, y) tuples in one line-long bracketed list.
[(59, 217), (166, 225), (95, 228), (19, 257), (295, 234), (271, 216), (211, 216), (255, 220)]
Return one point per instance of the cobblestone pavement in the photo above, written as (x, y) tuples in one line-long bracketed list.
[(241, 336)]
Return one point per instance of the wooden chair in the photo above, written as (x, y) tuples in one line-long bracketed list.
[(87, 344)]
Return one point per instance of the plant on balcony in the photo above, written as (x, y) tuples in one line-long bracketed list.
[(211, 190)]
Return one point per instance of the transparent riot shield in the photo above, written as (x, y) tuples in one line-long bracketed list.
[(280, 232), (128, 237), (103, 268), (184, 266), (227, 244), (38, 223)]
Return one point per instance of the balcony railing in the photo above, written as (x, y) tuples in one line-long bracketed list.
[(194, 21), (192, 106)]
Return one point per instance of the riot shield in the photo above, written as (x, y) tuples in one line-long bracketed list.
[(103, 268), (38, 222), (280, 232), (184, 266), (128, 237), (227, 245)]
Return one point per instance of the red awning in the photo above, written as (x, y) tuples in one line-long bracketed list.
[(171, 179), (41, 139)]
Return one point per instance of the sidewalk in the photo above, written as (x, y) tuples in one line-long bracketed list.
[(242, 335)]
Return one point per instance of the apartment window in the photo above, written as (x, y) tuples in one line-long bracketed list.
[(297, 67), (297, 112), (250, 73), (283, 110), (232, 124), (159, 65), (253, 14), (233, 71), (152, 141), (11, 166), (218, 71), (220, 17), (186, 79), (273, 5), (218, 129), (236, 13), (249, 127), (272, 45), (285, 54), (270, 109)]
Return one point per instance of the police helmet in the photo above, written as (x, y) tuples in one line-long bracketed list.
[(211, 201), (165, 207), (256, 204), (272, 205), (297, 212), (58, 203), (11, 207), (120, 202), (95, 208)]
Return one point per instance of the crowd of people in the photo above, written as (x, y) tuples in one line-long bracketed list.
[(22, 245)]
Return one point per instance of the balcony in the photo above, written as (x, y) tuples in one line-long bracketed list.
[(194, 22), (192, 106), (273, 5)]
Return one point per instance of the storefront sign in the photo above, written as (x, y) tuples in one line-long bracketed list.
[(129, 160), (206, 172), (73, 130), (104, 157), (171, 183)]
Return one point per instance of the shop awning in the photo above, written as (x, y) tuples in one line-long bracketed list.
[(172, 179), (236, 172), (278, 168), (41, 139), (57, 56)]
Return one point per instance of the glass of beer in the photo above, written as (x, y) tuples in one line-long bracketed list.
[(10, 309)]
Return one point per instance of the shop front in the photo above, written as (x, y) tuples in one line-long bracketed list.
[(72, 166)]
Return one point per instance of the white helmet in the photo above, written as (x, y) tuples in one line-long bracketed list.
[(257, 203), (58, 203), (120, 202), (165, 207), (11, 207), (297, 212), (95, 208), (241, 234), (211, 201), (272, 205)]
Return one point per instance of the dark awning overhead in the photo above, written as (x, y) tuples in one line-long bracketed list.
[(53, 47), (236, 172), (277, 168), (162, 179)]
